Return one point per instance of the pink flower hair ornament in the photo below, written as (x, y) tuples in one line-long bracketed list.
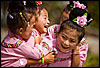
[(82, 21), (38, 2), (78, 5)]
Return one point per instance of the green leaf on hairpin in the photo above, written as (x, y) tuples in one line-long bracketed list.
[(85, 14), (71, 5), (36, 4), (84, 26), (75, 20)]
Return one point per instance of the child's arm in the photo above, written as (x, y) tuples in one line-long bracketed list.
[(47, 59), (76, 57), (83, 48)]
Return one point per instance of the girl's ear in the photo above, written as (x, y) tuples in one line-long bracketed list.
[(21, 30), (34, 25)]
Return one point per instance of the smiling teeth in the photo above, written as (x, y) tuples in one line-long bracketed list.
[(64, 46)]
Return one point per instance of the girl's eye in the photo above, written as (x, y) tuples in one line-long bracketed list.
[(72, 41), (45, 18), (63, 37)]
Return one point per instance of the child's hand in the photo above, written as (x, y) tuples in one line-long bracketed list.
[(49, 58), (37, 38)]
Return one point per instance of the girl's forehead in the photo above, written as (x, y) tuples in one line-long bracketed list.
[(43, 12), (70, 33)]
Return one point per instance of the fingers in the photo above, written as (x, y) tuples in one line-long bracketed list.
[(51, 52), (36, 35)]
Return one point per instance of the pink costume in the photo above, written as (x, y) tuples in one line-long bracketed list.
[(15, 51), (63, 59)]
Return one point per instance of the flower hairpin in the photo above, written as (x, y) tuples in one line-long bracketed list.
[(10, 16), (24, 2), (78, 5), (38, 2), (82, 21)]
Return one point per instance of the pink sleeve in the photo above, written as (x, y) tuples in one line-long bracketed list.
[(83, 52), (45, 46), (30, 50), (52, 30)]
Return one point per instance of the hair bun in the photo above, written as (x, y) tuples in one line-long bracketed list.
[(78, 14), (15, 6), (30, 4)]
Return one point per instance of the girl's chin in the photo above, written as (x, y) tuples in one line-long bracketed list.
[(64, 50), (45, 30)]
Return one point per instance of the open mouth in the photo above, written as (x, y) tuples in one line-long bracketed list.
[(64, 46), (46, 26)]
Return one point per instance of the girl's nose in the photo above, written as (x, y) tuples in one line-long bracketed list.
[(48, 21), (66, 42)]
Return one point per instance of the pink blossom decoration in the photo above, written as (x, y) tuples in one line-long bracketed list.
[(39, 2), (82, 6), (82, 20), (78, 5)]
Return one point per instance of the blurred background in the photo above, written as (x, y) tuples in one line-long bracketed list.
[(55, 9)]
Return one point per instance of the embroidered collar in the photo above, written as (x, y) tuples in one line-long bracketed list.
[(8, 45), (62, 59)]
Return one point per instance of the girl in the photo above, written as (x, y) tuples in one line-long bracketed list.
[(17, 45), (51, 34), (70, 52), (69, 7), (41, 25)]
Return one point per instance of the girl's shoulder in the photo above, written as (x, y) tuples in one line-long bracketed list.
[(83, 45), (11, 42), (52, 30), (11, 45), (83, 42), (54, 26)]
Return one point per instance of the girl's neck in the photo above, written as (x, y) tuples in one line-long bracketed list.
[(11, 34)]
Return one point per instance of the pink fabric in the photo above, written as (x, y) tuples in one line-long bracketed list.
[(10, 56), (83, 49)]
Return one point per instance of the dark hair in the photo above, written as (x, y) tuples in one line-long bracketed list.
[(67, 24), (79, 12), (36, 9), (71, 4), (14, 19)]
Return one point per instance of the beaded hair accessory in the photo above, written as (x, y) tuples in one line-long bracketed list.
[(37, 2), (23, 18), (10, 16)]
